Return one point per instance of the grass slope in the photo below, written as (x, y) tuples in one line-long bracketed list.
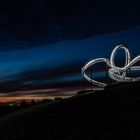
[(110, 114)]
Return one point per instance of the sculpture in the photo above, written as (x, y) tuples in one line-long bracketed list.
[(118, 74)]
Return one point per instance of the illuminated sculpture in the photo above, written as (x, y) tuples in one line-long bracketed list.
[(116, 73)]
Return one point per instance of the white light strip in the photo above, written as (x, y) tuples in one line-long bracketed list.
[(116, 73)]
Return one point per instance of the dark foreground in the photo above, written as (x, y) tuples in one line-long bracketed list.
[(111, 114)]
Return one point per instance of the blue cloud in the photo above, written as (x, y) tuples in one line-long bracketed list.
[(54, 60)]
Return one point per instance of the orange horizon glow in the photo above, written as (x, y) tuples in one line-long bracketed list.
[(29, 95), (5, 100)]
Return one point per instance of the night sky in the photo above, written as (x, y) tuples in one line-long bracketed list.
[(45, 43)]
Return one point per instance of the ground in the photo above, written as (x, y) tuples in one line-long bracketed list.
[(110, 114)]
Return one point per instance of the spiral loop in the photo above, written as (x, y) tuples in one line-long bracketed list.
[(116, 73)]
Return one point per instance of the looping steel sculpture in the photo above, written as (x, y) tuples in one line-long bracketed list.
[(116, 73)]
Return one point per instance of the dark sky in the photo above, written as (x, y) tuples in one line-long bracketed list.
[(29, 23), (44, 43)]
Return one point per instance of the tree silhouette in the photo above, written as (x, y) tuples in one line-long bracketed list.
[(58, 98), (23, 103), (32, 102)]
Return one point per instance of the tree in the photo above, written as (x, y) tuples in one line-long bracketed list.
[(23, 103)]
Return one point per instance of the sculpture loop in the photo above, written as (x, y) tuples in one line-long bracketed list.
[(116, 73)]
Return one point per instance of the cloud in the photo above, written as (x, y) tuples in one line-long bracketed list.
[(58, 66)]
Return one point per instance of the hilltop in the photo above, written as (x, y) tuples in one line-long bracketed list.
[(110, 114)]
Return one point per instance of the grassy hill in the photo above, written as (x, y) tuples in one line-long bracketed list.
[(110, 114)]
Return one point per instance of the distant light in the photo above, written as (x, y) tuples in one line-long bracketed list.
[(116, 73), (11, 105)]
